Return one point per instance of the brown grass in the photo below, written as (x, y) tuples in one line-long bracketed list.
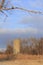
[(24, 60), (30, 57)]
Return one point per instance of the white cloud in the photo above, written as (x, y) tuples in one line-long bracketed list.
[(19, 30), (32, 19), (2, 49), (36, 3), (26, 30)]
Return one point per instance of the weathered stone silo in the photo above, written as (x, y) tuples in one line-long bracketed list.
[(16, 46)]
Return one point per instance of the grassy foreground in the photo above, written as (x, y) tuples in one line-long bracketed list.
[(24, 60)]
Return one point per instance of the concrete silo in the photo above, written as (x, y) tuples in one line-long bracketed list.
[(16, 46)]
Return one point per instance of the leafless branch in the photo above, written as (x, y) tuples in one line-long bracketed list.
[(31, 11), (2, 9)]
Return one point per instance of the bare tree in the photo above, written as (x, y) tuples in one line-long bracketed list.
[(9, 52), (9, 49), (4, 8)]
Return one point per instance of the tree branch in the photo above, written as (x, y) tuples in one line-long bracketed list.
[(31, 11), (2, 3)]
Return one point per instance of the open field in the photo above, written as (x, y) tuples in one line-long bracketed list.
[(24, 60)]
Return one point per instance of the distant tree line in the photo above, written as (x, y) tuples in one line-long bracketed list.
[(36, 48)]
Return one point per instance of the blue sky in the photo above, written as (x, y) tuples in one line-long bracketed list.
[(20, 21), (23, 21)]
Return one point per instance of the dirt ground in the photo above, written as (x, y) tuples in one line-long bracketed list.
[(24, 60)]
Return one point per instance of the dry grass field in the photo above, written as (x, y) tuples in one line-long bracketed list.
[(24, 60)]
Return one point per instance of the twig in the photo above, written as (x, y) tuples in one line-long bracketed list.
[(31, 11)]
